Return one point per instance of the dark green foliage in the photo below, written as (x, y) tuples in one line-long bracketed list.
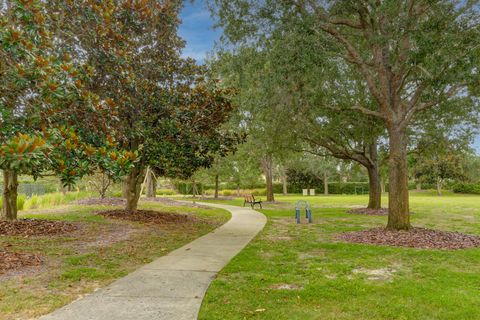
[(302, 179), (472, 188)]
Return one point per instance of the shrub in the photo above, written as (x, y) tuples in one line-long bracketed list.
[(166, 192), (32, 203), (21, 201), (227, 193), (472, 188), (54, 199)]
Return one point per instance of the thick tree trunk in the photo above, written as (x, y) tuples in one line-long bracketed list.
[(10, 192), (151, 182), (216, 186), (284, 185), (267, 164), (375, 188), (133, 183), (325, 183), (439, 186), (398, 201)]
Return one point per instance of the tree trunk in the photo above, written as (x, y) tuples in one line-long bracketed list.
[(216, 186), (267, 164), (375, 188), (10, 192), (325, 183), (62, 188), (194, 188), (125, 187), (133, 183), (285, 185), (439, 186), (151, 182), (418, 186), (398, 201)]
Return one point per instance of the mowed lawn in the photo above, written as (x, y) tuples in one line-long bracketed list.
[(101, 251), (301, 272)]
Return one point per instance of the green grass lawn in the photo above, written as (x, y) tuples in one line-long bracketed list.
[(295, 271), (103, 251)]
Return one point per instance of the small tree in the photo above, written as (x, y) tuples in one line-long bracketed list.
[(100, 182)]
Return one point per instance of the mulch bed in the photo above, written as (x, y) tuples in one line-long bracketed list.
[(369, 212), (414, 238), (120, 202), (149, 216), (35, 227), (14, 260)]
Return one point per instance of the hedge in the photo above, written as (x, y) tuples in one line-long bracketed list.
[(472, 188)]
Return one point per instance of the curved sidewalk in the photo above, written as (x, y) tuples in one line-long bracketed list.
[(173, 286)]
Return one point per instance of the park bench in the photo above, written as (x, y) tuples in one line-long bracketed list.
[(250, 199)]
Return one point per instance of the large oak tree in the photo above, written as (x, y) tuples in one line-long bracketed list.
[(413, 55)]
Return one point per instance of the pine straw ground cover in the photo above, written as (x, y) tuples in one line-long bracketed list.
[(305, 272), (48, 271)]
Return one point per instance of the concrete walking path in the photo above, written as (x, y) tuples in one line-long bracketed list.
[(173, 286)]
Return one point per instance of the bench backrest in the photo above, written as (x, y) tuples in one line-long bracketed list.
[(249, 198)]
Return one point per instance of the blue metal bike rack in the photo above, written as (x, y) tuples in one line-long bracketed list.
[(308, 211)]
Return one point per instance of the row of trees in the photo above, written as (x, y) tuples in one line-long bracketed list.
[(340, 78), (88, 85)]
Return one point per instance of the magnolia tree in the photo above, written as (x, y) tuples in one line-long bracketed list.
[(49, 122), (164, 111)]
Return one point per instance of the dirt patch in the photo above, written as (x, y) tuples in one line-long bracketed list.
[(149, 216), (286, 286), (35, 227), (107, 236), (279, 238), (10, 261), (101, 202), (383, 274), (369, 212), (414, 238)]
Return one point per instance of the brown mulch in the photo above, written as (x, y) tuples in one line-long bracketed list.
[(15, 260), (369, 212), (149, 216), (414, 238), (120, 202), (35, 227)]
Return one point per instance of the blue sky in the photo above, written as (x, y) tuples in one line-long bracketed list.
[(197, 30)]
